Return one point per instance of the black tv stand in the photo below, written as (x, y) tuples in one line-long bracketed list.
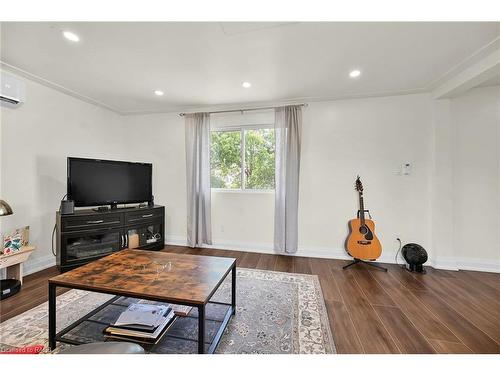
[(101, 209), (87, 235)]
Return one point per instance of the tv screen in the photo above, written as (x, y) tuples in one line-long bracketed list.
[(93, 182)]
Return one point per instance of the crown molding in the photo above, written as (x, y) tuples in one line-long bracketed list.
[(276, 103), (466, 63), (55, 86), (483, 70)]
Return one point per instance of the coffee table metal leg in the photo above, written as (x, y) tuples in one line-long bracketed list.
[(233, 289), (201, 329), (52, 316)]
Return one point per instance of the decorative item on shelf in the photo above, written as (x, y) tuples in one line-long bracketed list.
[(14, 241), (133, 239), (11, 243), (5, 208)]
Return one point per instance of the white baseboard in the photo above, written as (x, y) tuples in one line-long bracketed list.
[(469, 264), (332, 253), (175, 240), (35, 265)]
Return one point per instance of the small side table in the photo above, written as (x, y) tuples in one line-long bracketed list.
[(14, 262)]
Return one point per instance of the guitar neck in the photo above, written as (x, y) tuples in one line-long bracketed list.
[(361, 209)]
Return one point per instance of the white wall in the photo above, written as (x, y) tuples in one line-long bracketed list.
[(36, 138), (442, 206), (159, 139), (475, 118), (372, 137)]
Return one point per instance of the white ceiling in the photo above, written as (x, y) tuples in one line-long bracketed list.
[(203, 64)]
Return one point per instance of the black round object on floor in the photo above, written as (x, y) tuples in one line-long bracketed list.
[(9, 287), (415, 255)]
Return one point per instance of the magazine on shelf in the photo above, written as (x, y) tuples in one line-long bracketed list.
[(142, 316), (142, 334)]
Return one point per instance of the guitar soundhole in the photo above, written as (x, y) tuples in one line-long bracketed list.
[(366, 232)]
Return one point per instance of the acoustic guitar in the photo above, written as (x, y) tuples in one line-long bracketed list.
[(362, 243)]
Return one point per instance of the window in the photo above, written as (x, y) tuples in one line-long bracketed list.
[(225, 159), (242, 158)]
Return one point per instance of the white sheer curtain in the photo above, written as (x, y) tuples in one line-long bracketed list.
[(199, 227), (288, 128)]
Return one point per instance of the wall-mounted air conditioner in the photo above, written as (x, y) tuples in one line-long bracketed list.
[(12, 90)]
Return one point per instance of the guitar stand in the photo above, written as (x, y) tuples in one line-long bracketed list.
[(367, 211), (364, 262)]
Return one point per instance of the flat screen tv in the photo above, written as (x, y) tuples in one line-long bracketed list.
[(94, 182)]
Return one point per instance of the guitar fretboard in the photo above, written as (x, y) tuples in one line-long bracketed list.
[(361, 209)]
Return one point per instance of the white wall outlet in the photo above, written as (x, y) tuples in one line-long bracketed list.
[(406, 169)]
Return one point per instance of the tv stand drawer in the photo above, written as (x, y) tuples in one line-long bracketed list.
[(85, 222), (144, 215)]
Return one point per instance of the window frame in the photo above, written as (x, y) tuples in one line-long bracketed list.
[(242, 129)]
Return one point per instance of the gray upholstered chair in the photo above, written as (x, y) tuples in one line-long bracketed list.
[(105, 348)]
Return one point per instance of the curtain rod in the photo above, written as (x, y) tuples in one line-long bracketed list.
[(246, 109)]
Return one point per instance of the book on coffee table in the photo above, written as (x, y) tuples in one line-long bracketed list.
[(125, 333), (181, 310), (141, 315), (142, 321)]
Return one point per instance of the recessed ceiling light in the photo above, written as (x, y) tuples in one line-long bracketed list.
[(159, 93), (71, 36), (354, 73), (246, 85)]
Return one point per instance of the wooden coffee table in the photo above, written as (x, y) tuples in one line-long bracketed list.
[(157, 276)]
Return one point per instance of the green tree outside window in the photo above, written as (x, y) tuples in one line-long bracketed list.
[(256, 161)]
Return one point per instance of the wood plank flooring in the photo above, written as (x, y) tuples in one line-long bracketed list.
[(369, 311)]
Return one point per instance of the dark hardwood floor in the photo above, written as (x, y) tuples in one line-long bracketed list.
[(370, 311)]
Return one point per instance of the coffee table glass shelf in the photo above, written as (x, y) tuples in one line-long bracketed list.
[(152, 277)]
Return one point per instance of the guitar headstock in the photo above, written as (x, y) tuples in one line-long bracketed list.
[(358, 185)]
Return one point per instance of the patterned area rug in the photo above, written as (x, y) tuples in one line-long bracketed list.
[(277, 313)]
